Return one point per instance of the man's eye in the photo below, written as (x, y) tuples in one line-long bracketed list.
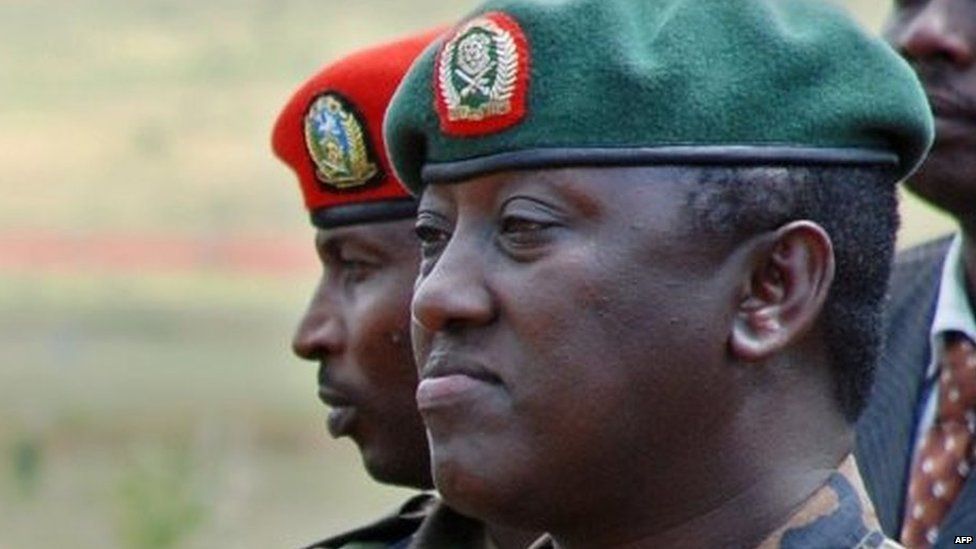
[(354, 266), (521, 225), (520, 232), (354, 270), (431, 238), (427, 234)]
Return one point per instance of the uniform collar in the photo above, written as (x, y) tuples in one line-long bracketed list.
[(839, 514)]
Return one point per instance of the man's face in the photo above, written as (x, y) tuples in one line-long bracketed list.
[(570, 330), (938, 37), (356, 327)]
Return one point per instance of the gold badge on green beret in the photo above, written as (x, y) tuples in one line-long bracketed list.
[(337, 143), (482, 76)]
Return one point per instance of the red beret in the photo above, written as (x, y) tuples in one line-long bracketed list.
[(330, 134)]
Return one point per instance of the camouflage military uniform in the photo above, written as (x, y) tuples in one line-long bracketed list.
[(395, 531), (838, 515)]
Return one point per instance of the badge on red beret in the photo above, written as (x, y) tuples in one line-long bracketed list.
[(481, 76), (336, 141)]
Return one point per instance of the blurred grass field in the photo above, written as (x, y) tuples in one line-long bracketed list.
[(153, 407)]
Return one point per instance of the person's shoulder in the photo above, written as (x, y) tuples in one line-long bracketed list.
[(392, 531)]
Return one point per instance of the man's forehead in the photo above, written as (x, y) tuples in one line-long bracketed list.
[(584, 184), (367, 234)]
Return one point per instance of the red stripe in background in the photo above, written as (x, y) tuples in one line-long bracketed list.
[(134, 253)]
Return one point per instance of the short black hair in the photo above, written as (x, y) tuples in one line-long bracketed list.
[(858, 208)]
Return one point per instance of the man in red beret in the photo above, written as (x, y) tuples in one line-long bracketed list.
[(357, 324)]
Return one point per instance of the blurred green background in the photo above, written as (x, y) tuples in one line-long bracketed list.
[(154, 258)]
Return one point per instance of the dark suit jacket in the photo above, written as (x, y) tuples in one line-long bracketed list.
[(886, 430)]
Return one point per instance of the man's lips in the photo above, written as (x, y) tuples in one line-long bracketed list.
[(447, 391), (343, 412), (448, 381), (947, 106), (443, 364), (333, 398)]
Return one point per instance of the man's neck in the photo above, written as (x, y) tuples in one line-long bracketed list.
[(744, 519)]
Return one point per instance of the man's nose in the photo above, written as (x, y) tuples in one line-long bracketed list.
[(320, 331), (935, 34), (454, 293)]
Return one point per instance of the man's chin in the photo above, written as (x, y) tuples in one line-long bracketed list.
[(395, 470), (463, 489), (474, 487)]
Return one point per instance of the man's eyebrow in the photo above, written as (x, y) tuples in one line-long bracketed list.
[(326, 240), (333, 242), (327, 246), (323, 242)]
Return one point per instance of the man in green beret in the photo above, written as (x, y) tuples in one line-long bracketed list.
[(923, 484), (655, 239)]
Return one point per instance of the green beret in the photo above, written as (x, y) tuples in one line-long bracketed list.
[(526, 84)]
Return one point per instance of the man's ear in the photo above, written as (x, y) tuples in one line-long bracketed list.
[(786, 284)]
